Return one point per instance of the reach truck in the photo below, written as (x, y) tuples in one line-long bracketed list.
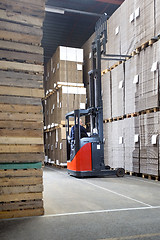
[(85, 155)]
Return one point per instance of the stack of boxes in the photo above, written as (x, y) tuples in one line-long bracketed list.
[(65, 92), (131, 25), (149, 143), (131, 88)]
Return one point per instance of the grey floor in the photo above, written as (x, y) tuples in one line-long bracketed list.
[(91, 208)]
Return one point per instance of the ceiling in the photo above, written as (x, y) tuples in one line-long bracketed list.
[(72, 29)]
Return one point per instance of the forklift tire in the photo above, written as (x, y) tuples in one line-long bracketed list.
[(120, 172)]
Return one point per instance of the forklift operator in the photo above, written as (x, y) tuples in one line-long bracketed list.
[(82, 131)]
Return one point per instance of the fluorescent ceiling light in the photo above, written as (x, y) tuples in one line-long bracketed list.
[(54, 10), (64, 10)]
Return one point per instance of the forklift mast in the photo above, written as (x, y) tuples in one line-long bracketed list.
[(98, 48)]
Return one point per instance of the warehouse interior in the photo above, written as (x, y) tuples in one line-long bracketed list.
[(50, 65)]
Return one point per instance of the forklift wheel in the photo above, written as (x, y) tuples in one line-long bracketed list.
[(120, 172)]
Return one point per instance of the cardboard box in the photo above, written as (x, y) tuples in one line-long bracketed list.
[(66, 65)]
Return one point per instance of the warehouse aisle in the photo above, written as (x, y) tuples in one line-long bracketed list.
[(65, 194), (91, 208)]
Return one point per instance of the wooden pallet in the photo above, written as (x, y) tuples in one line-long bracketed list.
[(113, 119), (21, 205), (21, 173), (20, 181), (21, 213), (21, 67), (14, 197), (20, 190), (18, 28), (21, 47), (13, 108), (133, 173), (29, 9), (151, 110), (21, 57), (14, 148), (151, 177), (20, 37), (16, 166), (105, 71), (108, 120), (133, 53), (147, 176), (130, 115), (23, 19)]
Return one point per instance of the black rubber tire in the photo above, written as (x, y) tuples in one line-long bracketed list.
[(120, 172)]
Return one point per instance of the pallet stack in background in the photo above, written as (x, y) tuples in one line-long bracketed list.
[(65, 92), (131, 25), (21, 116), (131, 93)]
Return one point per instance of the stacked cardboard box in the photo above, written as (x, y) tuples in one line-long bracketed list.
[(107, 95), (64, 92), (114, 144), (64, 66), (133, 144), (134, 23), (141, 80), (157, 17), (132, 86), (149, 143), (64, 100), (132, 70), (56, 146), (21, 118), (131, 89), (118, 94)]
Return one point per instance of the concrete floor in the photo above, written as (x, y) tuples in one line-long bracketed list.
[(91, 208)]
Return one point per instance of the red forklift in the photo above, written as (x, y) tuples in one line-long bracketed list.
[(85, 155)]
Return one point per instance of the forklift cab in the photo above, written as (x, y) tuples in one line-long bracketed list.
[(80, 158), (85, 155), (74, 143)]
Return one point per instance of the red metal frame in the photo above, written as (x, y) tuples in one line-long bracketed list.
[(82, 160)]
